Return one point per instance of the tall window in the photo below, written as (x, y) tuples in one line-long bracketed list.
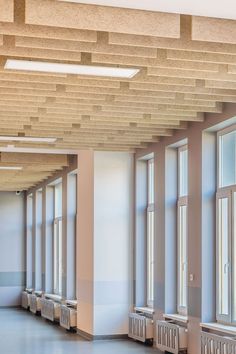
[(182, 229), (150, 234), (29, 241), (57, 240), (226, 226)]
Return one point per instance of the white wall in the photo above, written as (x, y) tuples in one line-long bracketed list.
[(12, 248), (113, 227)]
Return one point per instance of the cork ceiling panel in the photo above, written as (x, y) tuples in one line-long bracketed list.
[(100, 18), (187, 66), (32, 169), (7, 10)]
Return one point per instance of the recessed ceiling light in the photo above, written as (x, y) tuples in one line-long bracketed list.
[(27, 139), (11, 168), (59, 68), (31, 150)]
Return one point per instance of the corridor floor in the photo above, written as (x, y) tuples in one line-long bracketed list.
[(23, 333)]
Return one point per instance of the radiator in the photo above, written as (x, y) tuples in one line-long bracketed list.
[(171, 337), (68, 317), (140, 327), (35, 303), (25, 300), (50, 309), (214, 344)]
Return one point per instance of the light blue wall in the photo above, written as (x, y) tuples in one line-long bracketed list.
[(12, 248)]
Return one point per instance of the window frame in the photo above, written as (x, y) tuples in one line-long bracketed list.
[(229, 192), (219, 134), (182, 310), (221, 194), (57, 267), (57, 289), (29, 240), (182, 200), (150, 209)]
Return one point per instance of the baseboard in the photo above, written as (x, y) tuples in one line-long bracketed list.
[(92, 337)]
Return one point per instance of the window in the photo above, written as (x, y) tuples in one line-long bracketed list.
[(182, 229), (57, 240), (226, 227), (38, 250), (150, 235), (29, 241), (71, 235)]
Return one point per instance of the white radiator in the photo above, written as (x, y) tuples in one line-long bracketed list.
[(68, 317), (50, 309), (140, 327), (35, 303), (25, 300), (214, 344), (170, 337)]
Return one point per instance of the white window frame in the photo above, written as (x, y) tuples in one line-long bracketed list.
[(227, 192), (57, 245), (224, 193), (29, 241), (150, 262), (182, 201), (220, 133), (57, 256)]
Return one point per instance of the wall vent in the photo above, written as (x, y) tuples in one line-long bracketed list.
[(50, 310), (171, 337), (25, 300), (68, 317), (215, 344), (35, 303), (140, 327)]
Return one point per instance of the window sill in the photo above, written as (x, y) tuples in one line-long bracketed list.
[(38, 293), (72, 303), (54, 297), (176, 317), (219, 327), (147, 310), (29, 290)]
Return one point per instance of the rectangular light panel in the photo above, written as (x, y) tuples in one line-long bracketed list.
[(28, 139), (61, 68), (11, 168)]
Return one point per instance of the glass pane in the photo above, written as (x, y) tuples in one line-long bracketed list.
[(29, 241), (183, 173), (150, 182), (60, 257), (55, 259), (223, 257), (227, 159), (150, 258), (57, 264), (234, 255), (58, 200), (38, 241), (182, 273)]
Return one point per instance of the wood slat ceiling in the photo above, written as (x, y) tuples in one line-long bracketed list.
[(35, 169), (187, 67)]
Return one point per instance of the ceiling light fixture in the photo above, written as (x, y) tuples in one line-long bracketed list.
[(11, 168), (28, 139), (61, 68)]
